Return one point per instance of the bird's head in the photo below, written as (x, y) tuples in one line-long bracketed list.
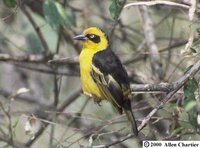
[(93, 38)]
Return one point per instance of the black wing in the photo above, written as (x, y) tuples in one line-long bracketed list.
[(110, 77)]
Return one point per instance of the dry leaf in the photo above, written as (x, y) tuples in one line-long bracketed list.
[(22, 91), (19, 92), (32, 126)]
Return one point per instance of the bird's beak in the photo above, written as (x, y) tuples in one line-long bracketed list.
[(81, 37)]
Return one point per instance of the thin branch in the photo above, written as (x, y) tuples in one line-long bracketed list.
[(57, 85), (48, 71), (15, 144), (11, 14), (35, 58), (117, 21), (37, 30), (8, 115), (31, 58), (151, 43), (151, 3), (21, 61), (169, 54), (23, 98), (141, 55), (192, 9), (68, 101), (69, 39), (161, 87)]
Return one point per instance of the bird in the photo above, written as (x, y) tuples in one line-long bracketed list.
[(103, 76)]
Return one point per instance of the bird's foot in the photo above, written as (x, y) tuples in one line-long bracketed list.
[(97, 101)]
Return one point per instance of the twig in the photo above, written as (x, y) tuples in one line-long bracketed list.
[(169, 54), (150, 39), (73, 121), (68, 101), (13, 12), (8, 115), (151, 3), (192, 9), (56, 93), (31, 58), (161, 87), (15, 144), (23, 98), (40, 59), (48, 71), (117, 21), (141, 56), (57, 85), (58, 41), (37, 30), (69, 39)]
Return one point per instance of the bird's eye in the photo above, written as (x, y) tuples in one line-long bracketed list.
[(92, 36)]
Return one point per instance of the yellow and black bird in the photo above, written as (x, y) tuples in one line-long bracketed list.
[(102, 75)]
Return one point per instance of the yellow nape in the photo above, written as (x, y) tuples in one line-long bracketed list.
[(102, 45)]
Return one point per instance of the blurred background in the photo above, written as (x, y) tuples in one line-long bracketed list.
[(41, 101)]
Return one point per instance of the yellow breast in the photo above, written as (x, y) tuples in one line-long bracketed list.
[(88, 84)]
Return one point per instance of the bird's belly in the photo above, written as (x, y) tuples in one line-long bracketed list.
[(88, 84)]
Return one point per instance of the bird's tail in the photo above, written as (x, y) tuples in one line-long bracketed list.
[(130, 116)]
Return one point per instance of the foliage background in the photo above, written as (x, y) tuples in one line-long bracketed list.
[(41, 102)]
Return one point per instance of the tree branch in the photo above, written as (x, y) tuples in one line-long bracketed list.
[(37, 30), (151, 3), (161, 87), (35, 58), (151, 43)]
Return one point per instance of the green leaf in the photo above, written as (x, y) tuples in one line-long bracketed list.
[(193, 50), (15, 123), (196, 43), (61, 12), (34, 44), (10, 3), (116, 7), (95, 140), (177, 131), (190, 101), (54, 13), (192, 115), (195, 46), (189, 90), (184, 121), (71, 17), (190, 105)]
